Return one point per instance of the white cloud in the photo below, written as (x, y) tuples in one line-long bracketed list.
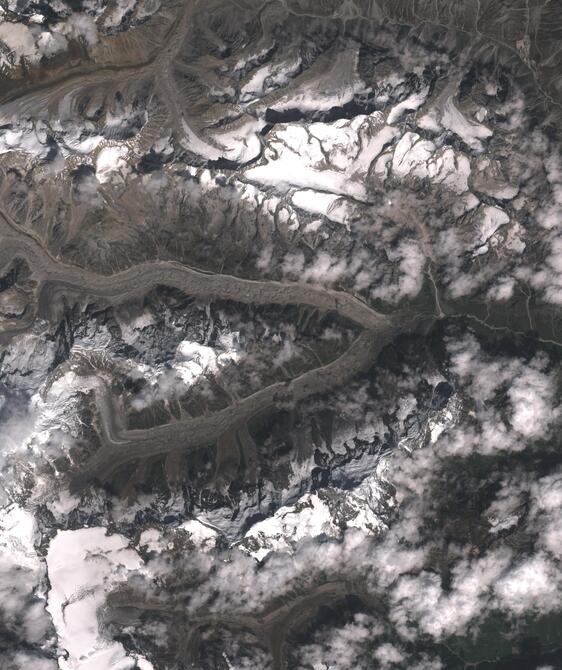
[(420, 599), (80, 26), (325, 269), (502, 290), (546, 512), (19, 39), (388, 655), (49, 43), (532, 392), (343, 647), (22, 608), (532, 586), (533, 396), (23, 660), (410, 262)]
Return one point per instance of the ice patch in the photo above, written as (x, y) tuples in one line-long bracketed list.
[(411, 104), (333, 86), (295, 159), (328, 513), (83, 566), (130, 329), (490, 220), (310, 517), (327, 204), (203, 536), (503, 524), (471, 133), (416, 157), (268, 78), (116, 14), (111, 160), (239, 143)]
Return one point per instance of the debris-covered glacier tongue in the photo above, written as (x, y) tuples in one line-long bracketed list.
[(280, 335)]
